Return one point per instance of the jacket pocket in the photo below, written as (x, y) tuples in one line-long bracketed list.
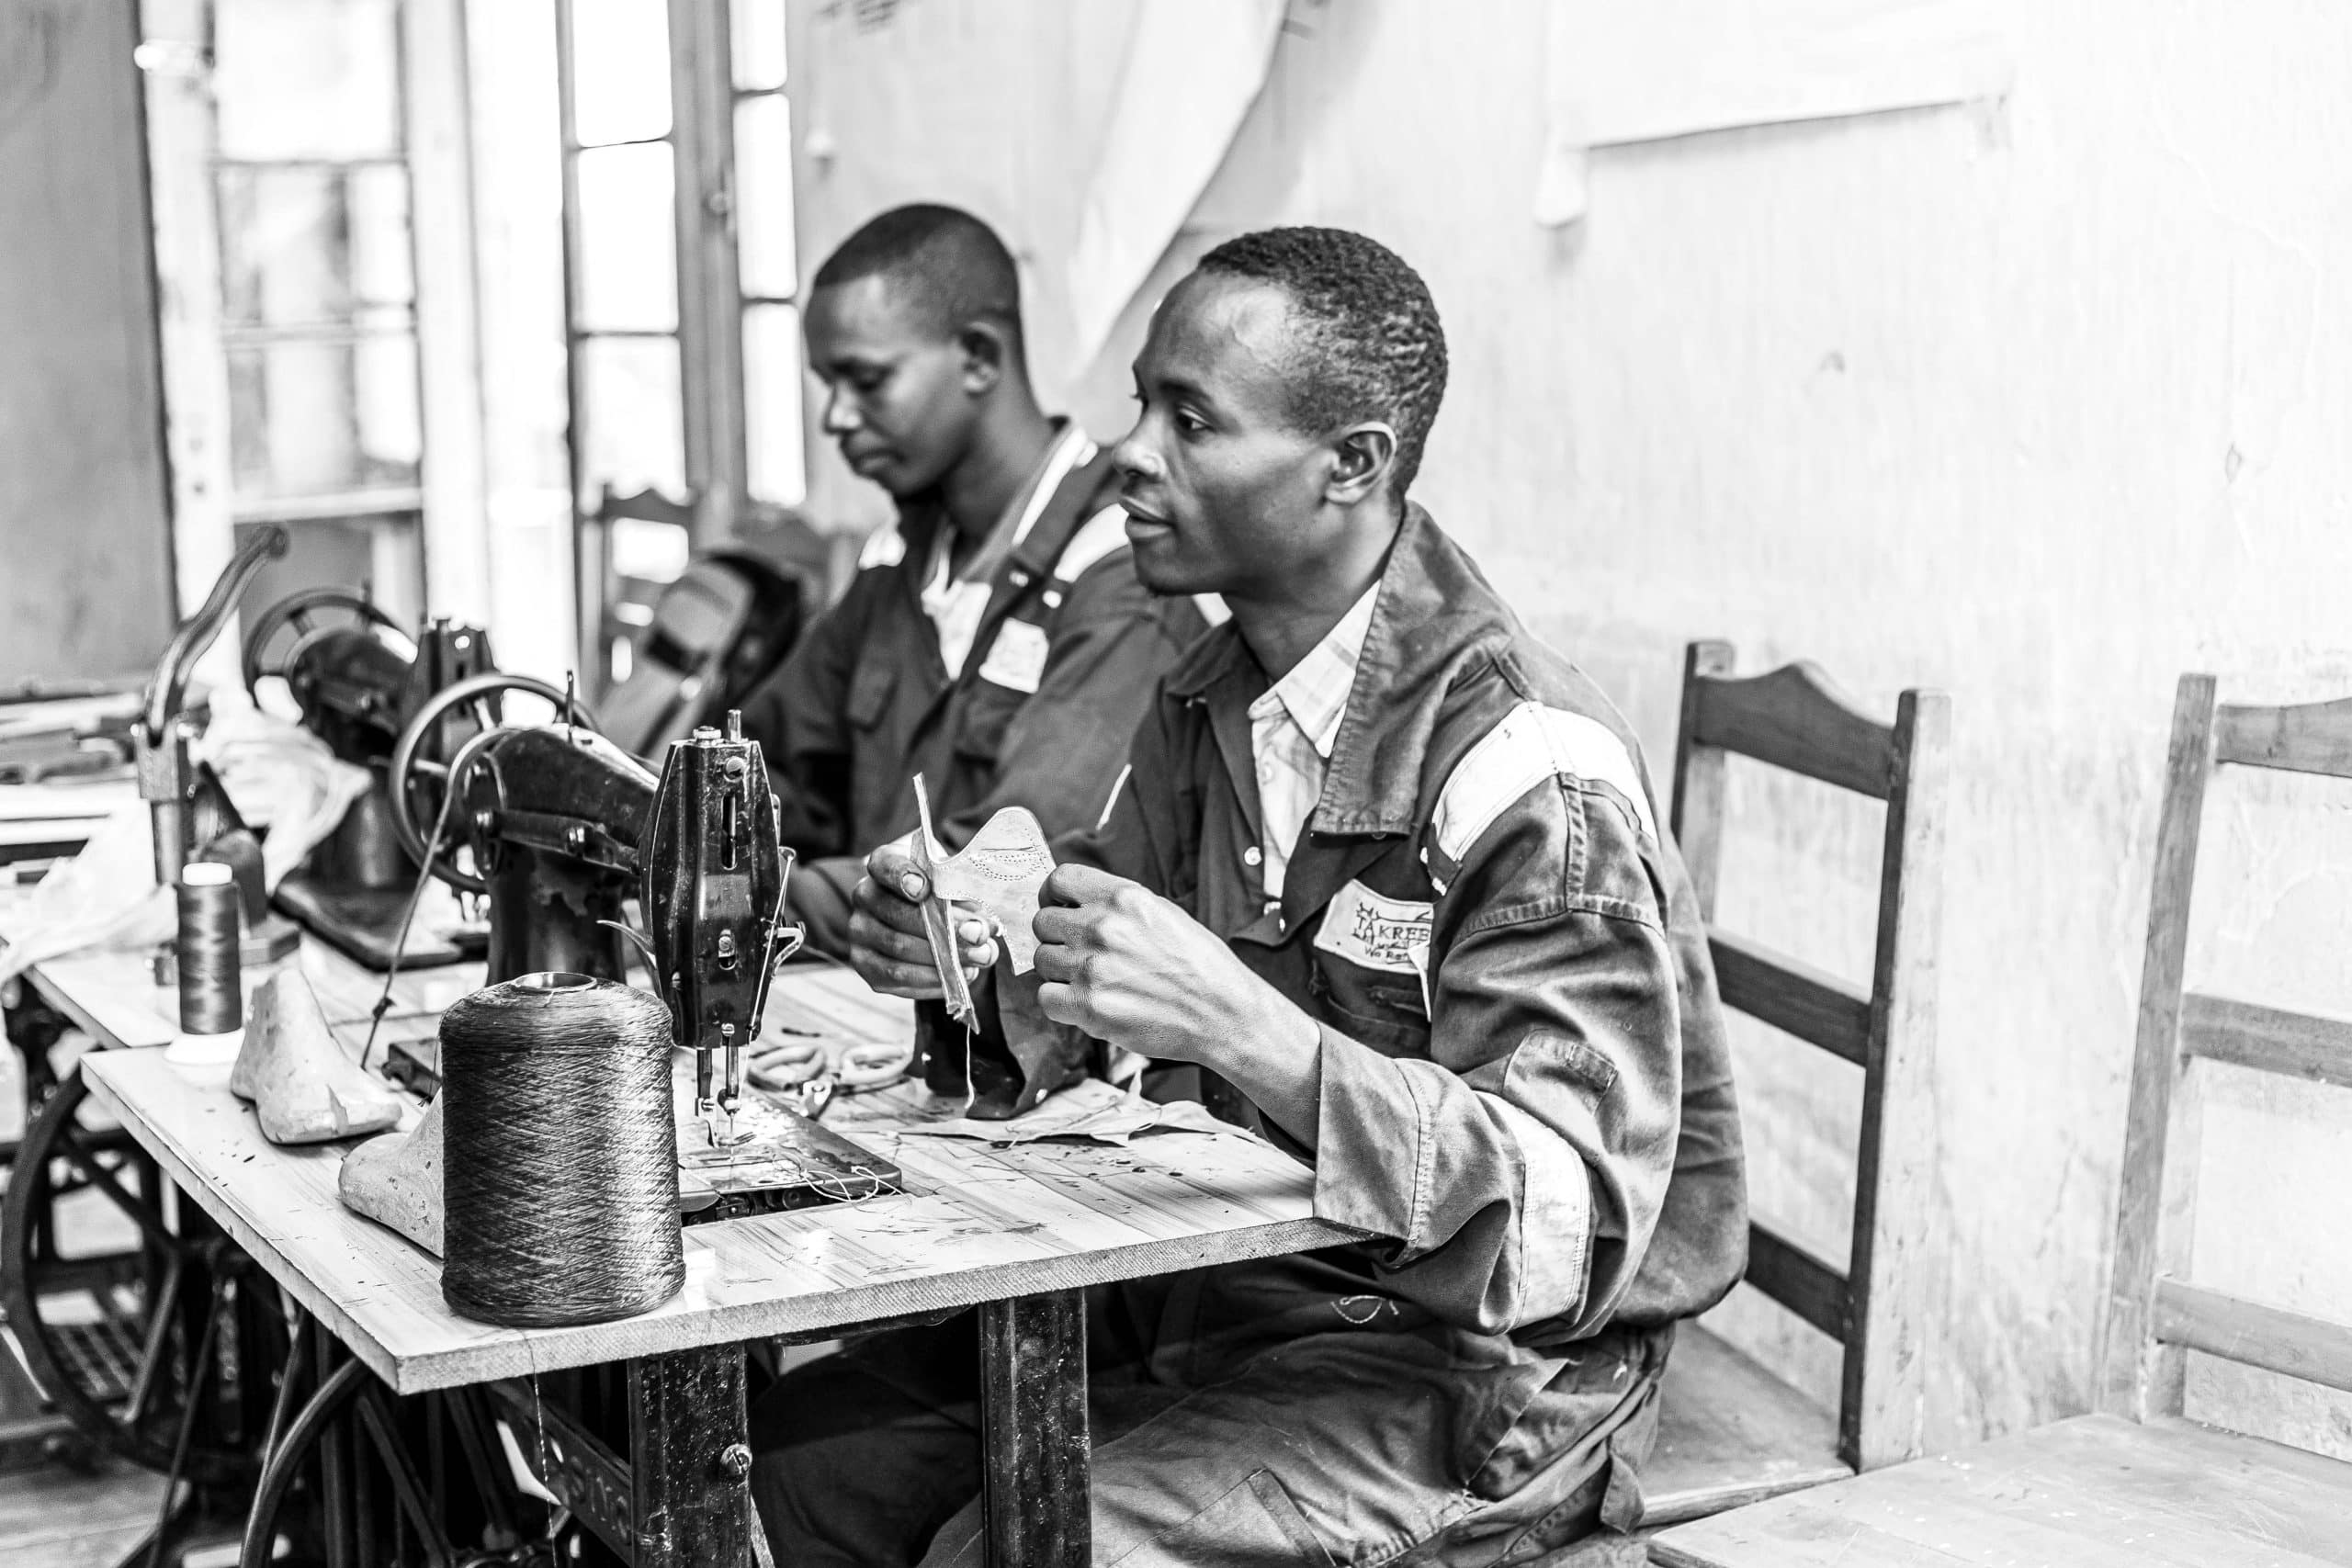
[(983, 710), (869, 691), (1388, 1018), (1253, 1524)]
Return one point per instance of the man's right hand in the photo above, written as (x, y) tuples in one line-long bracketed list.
[(887, 946)]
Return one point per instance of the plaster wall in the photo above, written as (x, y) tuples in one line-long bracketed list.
[(2039, 402), (85, 541)]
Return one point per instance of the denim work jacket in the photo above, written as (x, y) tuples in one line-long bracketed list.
[(1526, 1094)]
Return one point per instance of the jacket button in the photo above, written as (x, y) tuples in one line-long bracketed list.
[(1251, 856)]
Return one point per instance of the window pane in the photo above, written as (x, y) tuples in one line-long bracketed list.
[(631, 422), (322, 418), (629, 253), (776, 457), (620, 70), (307, 78), (310, 245), (763, 198), (758, 29), (650, 551)]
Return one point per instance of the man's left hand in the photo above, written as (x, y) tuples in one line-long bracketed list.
[(1128, 967)]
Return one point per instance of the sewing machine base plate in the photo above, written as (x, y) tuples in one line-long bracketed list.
[(781, 1160)]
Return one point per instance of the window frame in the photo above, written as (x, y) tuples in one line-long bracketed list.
[(712, 308)]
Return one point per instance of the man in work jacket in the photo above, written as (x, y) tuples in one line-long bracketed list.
[(996, 641), (1391, 870)]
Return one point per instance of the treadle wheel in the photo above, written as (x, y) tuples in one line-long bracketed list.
[(411, 770), (300, 614), (360, 1475), (116, 1338)]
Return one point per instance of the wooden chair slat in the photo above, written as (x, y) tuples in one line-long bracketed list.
[(2254, 1334), (2271, 1040), (2161, 1116), (1809, 1287), (1884, 1391), (1831, 1543), (1793, 996), (1795, 717), (2094, 1492), (2315, 737)]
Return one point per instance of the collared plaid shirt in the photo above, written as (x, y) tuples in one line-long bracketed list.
[(1292, 730)]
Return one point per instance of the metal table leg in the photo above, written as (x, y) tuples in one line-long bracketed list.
[(689, 1463), (1037, 1500)]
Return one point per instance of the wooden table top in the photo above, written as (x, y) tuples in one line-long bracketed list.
[(975, 1223), (111, 993)]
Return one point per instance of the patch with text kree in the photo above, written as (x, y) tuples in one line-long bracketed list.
[(1376, 932)]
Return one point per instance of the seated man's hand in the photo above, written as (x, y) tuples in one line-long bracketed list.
[(887, 944), (1128, 967)]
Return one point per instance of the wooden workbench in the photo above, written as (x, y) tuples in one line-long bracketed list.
[(1017, 1231), (976, 1225)]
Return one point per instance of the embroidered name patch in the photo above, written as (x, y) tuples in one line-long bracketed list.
[(1017, 658), (1365, 929)]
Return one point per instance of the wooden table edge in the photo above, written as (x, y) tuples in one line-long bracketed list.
[(82, 1017), (656, 1334), (281, 1268), (807, 1315)]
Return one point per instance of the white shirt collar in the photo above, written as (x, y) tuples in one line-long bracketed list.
[(1316, 689)]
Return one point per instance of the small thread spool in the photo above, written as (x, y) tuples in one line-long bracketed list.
[(560, 1181), (212, 999)]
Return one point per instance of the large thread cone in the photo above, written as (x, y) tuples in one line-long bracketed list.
[(560, 1181)]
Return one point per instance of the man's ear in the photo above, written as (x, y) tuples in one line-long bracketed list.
[(988, 356), (1363, 456)]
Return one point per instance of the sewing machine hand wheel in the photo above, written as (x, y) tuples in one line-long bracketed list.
[(299, 612), (410, 767)]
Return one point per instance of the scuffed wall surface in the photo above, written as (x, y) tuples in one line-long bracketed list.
[(2043, 403), (84, 543), (993, 106)]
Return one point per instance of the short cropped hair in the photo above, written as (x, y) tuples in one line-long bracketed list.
[(1371, 342), (948, 262)]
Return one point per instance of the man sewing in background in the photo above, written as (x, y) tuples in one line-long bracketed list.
[(1388, 870), (996, 641)]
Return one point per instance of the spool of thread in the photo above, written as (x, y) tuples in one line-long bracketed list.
[(212, 1001), (560, 1196)]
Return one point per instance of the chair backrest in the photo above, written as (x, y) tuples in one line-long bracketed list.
[(716, 632), (1795, 720), (2155, 1316)]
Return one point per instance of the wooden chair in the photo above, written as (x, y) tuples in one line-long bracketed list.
[(2136, 1483), (1731, 1432)]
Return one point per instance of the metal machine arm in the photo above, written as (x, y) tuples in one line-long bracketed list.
[(165, 782)]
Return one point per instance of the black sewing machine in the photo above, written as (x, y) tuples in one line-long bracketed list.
[(357, 681), (193, 818), (562, 828)]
